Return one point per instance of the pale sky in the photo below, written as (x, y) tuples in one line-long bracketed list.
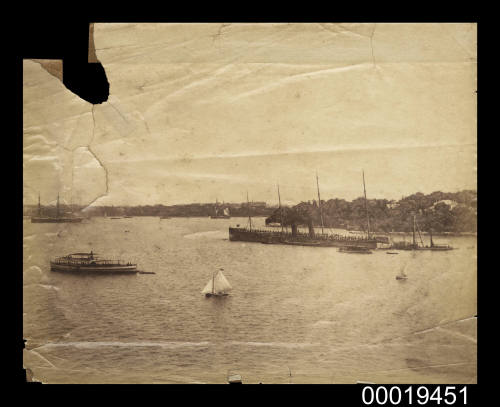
[(204, 111)]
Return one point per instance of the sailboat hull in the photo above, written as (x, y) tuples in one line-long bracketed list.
[(216, 295)]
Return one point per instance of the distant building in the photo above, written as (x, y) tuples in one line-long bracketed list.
[(254, 204), (448, 202)]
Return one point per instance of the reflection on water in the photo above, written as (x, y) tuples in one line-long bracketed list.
[(330, 317)]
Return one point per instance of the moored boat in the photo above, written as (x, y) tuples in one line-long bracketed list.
[(51, 219), (91, 263), (296, 238), (220, 214), (438, 247), (355, 249), (233, 378), (414, 245), (60, 219)]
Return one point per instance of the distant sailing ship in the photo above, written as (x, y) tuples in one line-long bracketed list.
[(217, 286), (218, 214), (57, 219), (297, 238), (414, 245)]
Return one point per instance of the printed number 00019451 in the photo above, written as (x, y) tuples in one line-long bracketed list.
[(447, 395)]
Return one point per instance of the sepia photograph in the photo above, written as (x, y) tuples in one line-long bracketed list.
[(274, 203)]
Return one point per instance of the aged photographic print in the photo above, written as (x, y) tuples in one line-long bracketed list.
[(276, 203)]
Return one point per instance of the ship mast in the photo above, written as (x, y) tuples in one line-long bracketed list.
[(414, 242), (39, 206), (281, 210), (319, 203), (249, 217), (57, 207), (366, 205), (419, 234)]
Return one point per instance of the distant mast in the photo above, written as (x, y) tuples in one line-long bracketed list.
[(249, 217), (319, 203), (366, 205), (57, 207), (39, 206), (281, 210), (414, 241)]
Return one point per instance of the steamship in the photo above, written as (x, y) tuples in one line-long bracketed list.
[(297, 238)]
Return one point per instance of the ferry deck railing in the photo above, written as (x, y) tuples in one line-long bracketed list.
[(303, 236), (90, 261)]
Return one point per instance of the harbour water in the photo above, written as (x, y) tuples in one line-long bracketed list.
[(317, 314)]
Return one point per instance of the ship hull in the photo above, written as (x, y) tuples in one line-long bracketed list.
[(347, 249), (420, 248), (98, 269), (216, 295), (245, 235), (55, 220), (220, 217)]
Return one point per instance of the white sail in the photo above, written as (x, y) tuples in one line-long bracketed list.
[(226, 211), (208, 287), (402, 271), (217, 285), (221, 284)]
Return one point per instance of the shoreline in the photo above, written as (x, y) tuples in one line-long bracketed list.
[(456, 234)]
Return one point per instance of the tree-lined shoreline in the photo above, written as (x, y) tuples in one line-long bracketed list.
[(440, 212)]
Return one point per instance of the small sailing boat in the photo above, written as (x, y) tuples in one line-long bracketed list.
[(402, 275), (217, 212), (217, 286)]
